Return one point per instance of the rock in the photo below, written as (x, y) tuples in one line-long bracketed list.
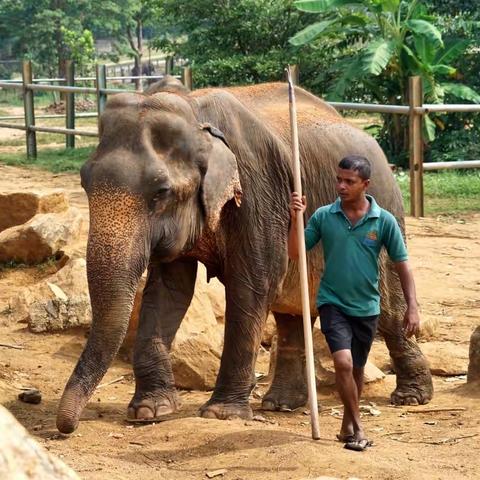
[(196, 360), (40, 238), (428, 327), (200, 316), (446, 358), (57, 304), (30, 396), (474, 363), (19, 208), (380, 356), (23, 458), (269, 330), (216, 294)]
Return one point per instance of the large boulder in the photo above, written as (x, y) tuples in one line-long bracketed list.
[(446, 358), (20, 207), (41, 237), (21, 457), (474, 363), (58, 303), (196, 360)]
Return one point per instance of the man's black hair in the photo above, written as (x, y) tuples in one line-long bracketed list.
[(358, 164)]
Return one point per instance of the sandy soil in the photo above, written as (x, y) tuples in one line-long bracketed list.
[(409, 443)]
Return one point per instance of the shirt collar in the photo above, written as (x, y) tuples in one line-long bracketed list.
[(373, 212)]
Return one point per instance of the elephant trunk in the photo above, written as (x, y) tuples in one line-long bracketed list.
[(115, 263)]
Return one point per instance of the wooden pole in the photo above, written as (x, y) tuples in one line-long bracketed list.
[(70, 103), (415, 99), (101, 83), (187, 78), (302, 260), (31, 137)]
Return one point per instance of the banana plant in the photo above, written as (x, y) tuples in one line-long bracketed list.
[(392, 40)]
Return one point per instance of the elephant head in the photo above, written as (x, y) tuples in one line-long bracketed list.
[(156, 183)]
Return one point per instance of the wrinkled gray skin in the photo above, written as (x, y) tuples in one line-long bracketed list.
[(164, 193)]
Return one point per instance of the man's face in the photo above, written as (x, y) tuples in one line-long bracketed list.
[(350, 186)]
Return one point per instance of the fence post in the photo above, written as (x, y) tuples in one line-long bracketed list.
[(168, 65), (187, 78), (70, 103), (31, 137), (415, 138), (295, 72), (101, 83)]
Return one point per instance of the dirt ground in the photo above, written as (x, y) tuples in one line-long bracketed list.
[(409, 443)]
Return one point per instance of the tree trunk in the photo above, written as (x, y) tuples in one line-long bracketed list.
[(138, 58)]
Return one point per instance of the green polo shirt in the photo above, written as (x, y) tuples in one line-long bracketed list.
[(350, 277)]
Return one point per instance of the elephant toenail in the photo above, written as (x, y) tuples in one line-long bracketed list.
[(144, 413)]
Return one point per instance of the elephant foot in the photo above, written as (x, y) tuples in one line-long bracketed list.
[(414, 380), (408, 395), (151, 407), (284, 401), (225, 411)]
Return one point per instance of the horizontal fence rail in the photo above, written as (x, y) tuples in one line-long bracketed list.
[(89, 79), (67, 131), (415, 110), (369, 107), (451, 165)]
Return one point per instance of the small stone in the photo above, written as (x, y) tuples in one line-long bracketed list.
[(116, 435), (216, 473), (259, 418), (31, 396)]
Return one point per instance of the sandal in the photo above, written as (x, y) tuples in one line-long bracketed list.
[(358, 445)]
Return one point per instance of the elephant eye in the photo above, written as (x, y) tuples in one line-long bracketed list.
[(162, 193)]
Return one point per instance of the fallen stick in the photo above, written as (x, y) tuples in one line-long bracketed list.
[(443, 441), (7, 345), (439, 409), (119, 379)]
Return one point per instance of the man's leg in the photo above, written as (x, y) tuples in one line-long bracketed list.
[(347, 422), (349, 393)]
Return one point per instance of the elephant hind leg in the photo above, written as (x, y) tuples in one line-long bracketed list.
[(414, 380), (288, 390)]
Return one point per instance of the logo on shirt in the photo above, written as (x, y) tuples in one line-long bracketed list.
[(371, 238)]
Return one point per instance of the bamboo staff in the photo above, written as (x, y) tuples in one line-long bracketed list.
[(302, 260)]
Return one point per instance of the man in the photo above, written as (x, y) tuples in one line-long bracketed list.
[(353, 230)]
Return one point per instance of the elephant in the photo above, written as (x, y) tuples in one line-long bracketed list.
[(184, 177)]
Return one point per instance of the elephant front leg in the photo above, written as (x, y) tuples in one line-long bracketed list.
[(288, 390), (245, 315), (166, 298)]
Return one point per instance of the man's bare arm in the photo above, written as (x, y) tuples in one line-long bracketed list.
[(411, 322)]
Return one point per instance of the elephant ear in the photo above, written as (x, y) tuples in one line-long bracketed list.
[(221, 182)]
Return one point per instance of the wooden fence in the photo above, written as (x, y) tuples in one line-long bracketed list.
[(415, 111)]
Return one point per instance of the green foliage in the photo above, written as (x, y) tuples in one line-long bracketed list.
[(446, 192), (80, 47), (237, 42), (382, 43), (46, 31)]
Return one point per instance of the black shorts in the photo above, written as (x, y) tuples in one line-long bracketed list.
[(344, 332)]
